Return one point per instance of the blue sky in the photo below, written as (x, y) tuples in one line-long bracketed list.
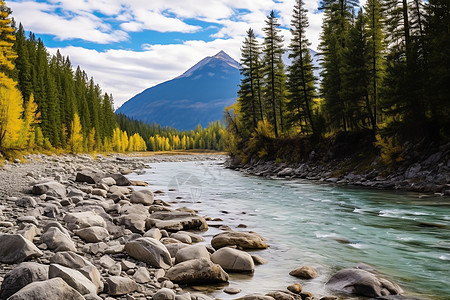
[(130, 45)]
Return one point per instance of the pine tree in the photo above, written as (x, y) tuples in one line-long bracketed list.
[(250, 87), (31, 117), (437, 30), (376, 47), (273, 51), (301, 80), (336, 23)]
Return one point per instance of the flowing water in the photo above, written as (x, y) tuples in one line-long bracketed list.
[(329, 227)]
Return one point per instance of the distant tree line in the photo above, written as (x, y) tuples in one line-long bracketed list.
[(160, 138), (385, 70), (45, 104)]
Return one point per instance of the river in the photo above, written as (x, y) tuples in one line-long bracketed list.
[(407, 239)]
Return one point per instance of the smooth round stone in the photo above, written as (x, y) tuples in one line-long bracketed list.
[(231, 290)]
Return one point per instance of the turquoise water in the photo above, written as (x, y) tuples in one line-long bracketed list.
[(407, 239)]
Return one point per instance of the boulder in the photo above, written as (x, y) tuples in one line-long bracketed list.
[(363, 283), (233, 260), (120, 180), (258, 260), (191, 252), (305, 272), (26, 201), (121, 285), (134, 222), (73, 278), (150, 251), (14, 249), (92, 234), (154, 233), (141, 275), (29, 231), (22, 275), (243, 240), (145, 197), (89, 176), (295, 288), (164, 294), (175, 221), (109, 181), (182, 237), (55, 288), (281, 295), (197, 271), (74, 261), (174, 248), (51, 188), (256, 297), (84, 219), (58, 240)]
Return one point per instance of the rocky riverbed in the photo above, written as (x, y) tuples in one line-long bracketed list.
[(75, 227)]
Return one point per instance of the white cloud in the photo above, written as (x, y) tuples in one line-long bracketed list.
[(42, 19), (127, 72)]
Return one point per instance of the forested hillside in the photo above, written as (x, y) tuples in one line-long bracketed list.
[(385, 75), (46, 105), (166, 138)]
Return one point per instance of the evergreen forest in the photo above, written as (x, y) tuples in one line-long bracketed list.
[(385, 75)]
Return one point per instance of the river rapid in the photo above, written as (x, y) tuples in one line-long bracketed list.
[(407, 239)]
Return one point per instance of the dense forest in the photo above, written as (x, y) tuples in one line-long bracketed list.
[(385, 73), (46, 105), (167, 138)]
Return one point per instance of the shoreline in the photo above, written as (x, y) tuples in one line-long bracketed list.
[(429, 178), (114, 267)]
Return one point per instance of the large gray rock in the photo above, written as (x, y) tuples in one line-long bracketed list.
[(145, 197), (73, 278), (175, 221), (233, 260), (120, 180), (14, 249), (77, 262), (89, 176), (121, 285), (26, 201), (305, 272), (58, 240), (22, 275), (164, 294), (51, 188), (134, 222), (191, 252), (55, 288), (256, 297), (173, 248), (243, 240), (150, 251), (197, 271), (92, 234), (84, 219), (363, 283)]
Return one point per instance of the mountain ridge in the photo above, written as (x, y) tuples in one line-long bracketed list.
[(198, 96)]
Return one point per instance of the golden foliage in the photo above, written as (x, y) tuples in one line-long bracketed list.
[(391, 151), (10, 112), (76, 137)]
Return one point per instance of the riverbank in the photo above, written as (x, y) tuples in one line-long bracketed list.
[(78, 218), (427, 174)]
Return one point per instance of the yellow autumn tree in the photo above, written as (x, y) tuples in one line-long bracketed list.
[(76, 137), (10, 97), (91, 140)]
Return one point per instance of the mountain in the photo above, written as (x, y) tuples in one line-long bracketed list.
[(198, 96)]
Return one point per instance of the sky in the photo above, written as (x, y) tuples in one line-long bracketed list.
[(131, 45)]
